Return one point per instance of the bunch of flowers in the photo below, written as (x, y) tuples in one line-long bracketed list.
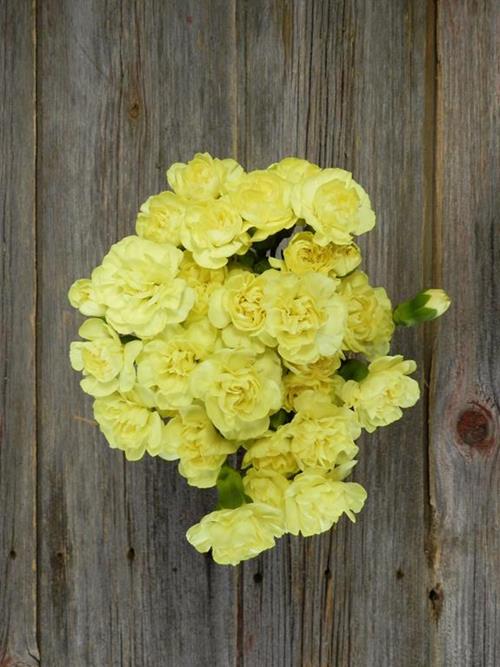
[(236, 334)]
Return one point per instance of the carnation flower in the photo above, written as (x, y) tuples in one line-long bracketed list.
[(192, 438), (321, 369), (303, 255), (345, 258), (137, 282), (240, 390), (322, 434), (161, 218), (237, 534), (106, 363), (262, 198), (82, 295), (296, 385), (130, 425), (238, 309), (166, 362), (314, 502), (293, 169), (272, 451), (334, 205), (203, 281), (369, 321), (266, 486), (304, 314), (213, 231), (378, 398), (203, 177), (318, 376)]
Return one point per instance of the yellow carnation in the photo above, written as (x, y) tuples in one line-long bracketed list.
[(82, 295), (322, 369), (107, 364), (334, 205), (304, 314), (318, 376), (166, 362), (303, 255), (237, 308), (203, 281), (240, 390), (237, 534), (192, 438), (345, 259), (203, 177), (295, 385), (137, 282), (213, 231), (262, 198), (322, 434), (161, 218), (369, 321), (266, 486), (129, 425), (314, 502), (272, 451), (378, 398), (294, 169)]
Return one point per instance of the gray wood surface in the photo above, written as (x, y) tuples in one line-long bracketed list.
[(98, 98), (18, 533), (464, 406)]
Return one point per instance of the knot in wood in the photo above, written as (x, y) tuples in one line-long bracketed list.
[(474, 427)]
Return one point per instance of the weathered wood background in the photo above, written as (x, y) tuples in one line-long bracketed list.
[(97, 98)]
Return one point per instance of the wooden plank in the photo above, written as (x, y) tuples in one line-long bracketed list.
[(126, 89), (344, 84), (465, 421), (18, 642)]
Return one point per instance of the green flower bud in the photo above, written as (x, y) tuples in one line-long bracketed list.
[(425, 306)]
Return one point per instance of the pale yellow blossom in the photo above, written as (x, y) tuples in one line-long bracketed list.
[(378, 398), (237, 534), (314, 502)]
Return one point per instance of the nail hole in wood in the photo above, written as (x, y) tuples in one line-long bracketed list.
[(131, 554), (399, 573), (134, 110), (257, 577), (436, 597), (328, 574), (13, 554)]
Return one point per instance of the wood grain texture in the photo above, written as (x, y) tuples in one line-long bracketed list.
[(464, 417), (344, 84), (18, 642), (92, 549), (137, 87)]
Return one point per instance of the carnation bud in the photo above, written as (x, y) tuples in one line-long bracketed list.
[(425, 306)]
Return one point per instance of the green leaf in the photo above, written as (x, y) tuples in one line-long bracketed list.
[(261, 266), (230, 488), (353, 369), (279, 418)]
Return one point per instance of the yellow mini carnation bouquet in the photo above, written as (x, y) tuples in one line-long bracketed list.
[(236, 334)]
